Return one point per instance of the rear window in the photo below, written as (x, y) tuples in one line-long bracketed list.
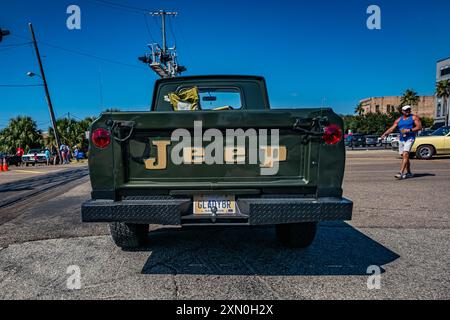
[(217, 98)]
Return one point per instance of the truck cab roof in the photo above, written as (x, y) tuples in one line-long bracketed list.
[(243, 91)]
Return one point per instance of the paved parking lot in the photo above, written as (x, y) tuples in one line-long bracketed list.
[(400, 226)]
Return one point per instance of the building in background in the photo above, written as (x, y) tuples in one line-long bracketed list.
[(425, 108), (442, 73)]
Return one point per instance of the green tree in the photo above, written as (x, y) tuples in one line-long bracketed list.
[(443, 92), (410, 97), (427, 122), (20, 132), (71, 131), (370, 123), (359, 110)]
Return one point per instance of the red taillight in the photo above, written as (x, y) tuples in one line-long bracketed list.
[(332, 134), (101, 138)]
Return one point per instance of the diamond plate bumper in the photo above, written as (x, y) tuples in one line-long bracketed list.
[(154, 211), (251, 211), (263, 211)]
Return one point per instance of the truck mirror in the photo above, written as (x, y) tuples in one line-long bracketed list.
[(209, 98)]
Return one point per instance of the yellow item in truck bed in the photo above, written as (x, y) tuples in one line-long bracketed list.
[(185, 100)]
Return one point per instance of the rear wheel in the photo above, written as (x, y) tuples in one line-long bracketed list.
[(296, 235), (425, 152), (128, 236)]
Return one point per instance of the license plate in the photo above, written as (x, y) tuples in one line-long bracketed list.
[(205, 204)]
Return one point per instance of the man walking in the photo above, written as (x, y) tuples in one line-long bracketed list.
[(408, 125)]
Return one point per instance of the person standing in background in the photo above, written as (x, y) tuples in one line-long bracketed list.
[(20, 152), (75, 153), (68, 155), (62, 150), (47, 156)]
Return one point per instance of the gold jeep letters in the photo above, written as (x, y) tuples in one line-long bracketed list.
[(196, 155)]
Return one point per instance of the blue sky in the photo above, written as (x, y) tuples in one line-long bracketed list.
[(311, 52)]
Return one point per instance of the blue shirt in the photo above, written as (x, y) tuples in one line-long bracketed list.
[(407, 123)]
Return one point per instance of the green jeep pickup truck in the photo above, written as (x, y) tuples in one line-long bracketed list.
[(211, 152)]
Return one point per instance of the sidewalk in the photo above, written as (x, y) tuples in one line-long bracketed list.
[(24, 172)]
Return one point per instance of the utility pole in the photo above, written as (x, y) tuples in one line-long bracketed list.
[(163, 60), (47, 92), (163, 14)]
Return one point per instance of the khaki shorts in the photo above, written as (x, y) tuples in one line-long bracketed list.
[(405, 146)]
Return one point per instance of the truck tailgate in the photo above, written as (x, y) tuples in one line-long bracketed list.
[(133, 156)]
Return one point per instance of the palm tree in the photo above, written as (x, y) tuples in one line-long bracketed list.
[(409, 98), (20, 132), (359, 109), (72, 132), (443, 92)]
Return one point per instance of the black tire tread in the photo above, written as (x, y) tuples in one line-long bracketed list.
[(296, 235), (128, 236)]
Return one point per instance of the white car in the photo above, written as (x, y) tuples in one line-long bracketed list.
[(392, 137), (34, 156), (394, 142)]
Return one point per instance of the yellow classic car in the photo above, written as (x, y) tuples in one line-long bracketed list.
[(438, 143)]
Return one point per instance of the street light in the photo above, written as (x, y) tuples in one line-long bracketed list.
[(32, 74)]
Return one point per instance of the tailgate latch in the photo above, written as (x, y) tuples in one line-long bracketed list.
[(310, 127), (119, 129)]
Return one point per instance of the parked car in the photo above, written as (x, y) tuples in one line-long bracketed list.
[(34, 156), (394, 142), (12, 160), (426, 133), (371, 141), (392, 136), (438, 143), (358, 140)]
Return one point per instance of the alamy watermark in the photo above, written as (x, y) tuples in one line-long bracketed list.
[(74, 280), (73, 22), (374, 20), (374, 280)]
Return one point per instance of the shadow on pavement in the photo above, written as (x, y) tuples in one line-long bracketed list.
[(421, 175), (338, 249)]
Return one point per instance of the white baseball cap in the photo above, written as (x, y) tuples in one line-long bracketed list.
[(406, 108)]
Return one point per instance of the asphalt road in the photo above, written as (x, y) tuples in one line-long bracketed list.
[(400, 226)]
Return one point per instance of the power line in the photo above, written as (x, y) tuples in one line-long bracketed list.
[(92, 56), (172, 33), (120, 6), (14, 45), (148, 28), (183, 39), (86, 54), (19, 85)]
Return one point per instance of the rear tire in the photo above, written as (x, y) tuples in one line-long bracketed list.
[(128, 236), (425, 152), (296, 235)]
